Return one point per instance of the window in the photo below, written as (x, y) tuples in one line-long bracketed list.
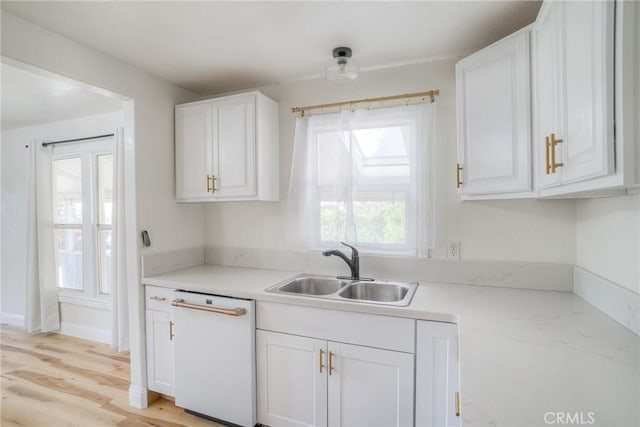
[(67, 196), (82, 202), (363, 177)]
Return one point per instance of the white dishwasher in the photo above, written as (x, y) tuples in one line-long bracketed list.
[(214, 340)]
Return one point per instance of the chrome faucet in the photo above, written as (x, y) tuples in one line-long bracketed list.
[(353, 263)]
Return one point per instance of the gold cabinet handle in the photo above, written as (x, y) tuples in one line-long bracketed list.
[(157, 298), (321, 360), (170, 330), (220, 310), (458, 175), (213, 183), (547, 150), (330, 362), (553, 142), (457, 403), (208, 183)]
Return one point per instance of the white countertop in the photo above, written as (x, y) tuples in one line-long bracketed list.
[(523, 353)]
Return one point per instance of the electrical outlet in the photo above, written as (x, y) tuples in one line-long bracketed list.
[(453, 250)]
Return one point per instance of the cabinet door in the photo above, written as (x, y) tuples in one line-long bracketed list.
[(369, 386), (292, 380), (548, 111), (436, 374), (234, 142), (193, 151), (588, 146), (160, 376), (494, 118)]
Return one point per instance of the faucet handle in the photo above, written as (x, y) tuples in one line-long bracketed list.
[(354, 251)]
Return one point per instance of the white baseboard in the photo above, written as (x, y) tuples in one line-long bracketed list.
[(12, 319), (617, 302), (91, 334), (138, 397)]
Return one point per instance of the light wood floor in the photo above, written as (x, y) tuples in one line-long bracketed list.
[(55, 380)]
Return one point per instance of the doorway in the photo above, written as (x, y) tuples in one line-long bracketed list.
[(79, 127)]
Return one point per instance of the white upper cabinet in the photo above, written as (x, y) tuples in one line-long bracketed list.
[(494, 119), (548, 113), (581, 113), (589, 147), (573, 92), (194, 161), (227, 149)]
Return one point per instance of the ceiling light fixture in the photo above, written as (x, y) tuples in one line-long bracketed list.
[(342, 68)]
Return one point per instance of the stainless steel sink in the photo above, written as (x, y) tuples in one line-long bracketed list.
[(310, 285), (371, 292)]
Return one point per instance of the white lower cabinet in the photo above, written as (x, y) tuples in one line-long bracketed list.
[(159, 333), (311, 382), (369, 386), (292, 389), (437, 381)]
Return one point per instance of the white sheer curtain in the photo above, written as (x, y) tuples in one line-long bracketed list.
[(119, 302), (364, 177), (42, 313)]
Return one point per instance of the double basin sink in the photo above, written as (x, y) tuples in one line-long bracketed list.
[(367, 291)]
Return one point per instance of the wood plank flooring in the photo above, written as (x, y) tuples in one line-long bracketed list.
[(56, 380)]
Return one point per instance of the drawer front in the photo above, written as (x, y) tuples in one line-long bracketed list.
[(391, 333), (157, 298)]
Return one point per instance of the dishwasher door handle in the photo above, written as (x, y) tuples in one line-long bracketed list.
[(219, 310)]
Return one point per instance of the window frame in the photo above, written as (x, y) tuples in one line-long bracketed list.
[(88, 153), (413, 188)]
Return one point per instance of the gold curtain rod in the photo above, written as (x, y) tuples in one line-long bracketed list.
[(430, 93)]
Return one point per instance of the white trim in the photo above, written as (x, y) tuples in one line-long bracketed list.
[(12, 319), (617, 302), (91, 334), (138, 397), (81, 300), (633, 189)]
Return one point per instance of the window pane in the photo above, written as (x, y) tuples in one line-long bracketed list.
[(68, 247), (105, 188), (104, 260), (374, 221), (380, 221), (67, 191), (333, 158), (382, 152), (332, 221), (376, 143)]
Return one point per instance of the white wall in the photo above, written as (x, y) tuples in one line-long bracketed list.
[(171, 225), (15, 157), (521, 230), (14, 220), (608, 239), (154, 101)]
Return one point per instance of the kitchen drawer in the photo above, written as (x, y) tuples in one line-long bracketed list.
[(157, 298), (392, 333)]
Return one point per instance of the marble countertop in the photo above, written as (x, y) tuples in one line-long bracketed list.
[(525, 355)]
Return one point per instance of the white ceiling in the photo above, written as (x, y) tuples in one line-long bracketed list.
[(211, 46), (30, 99)]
